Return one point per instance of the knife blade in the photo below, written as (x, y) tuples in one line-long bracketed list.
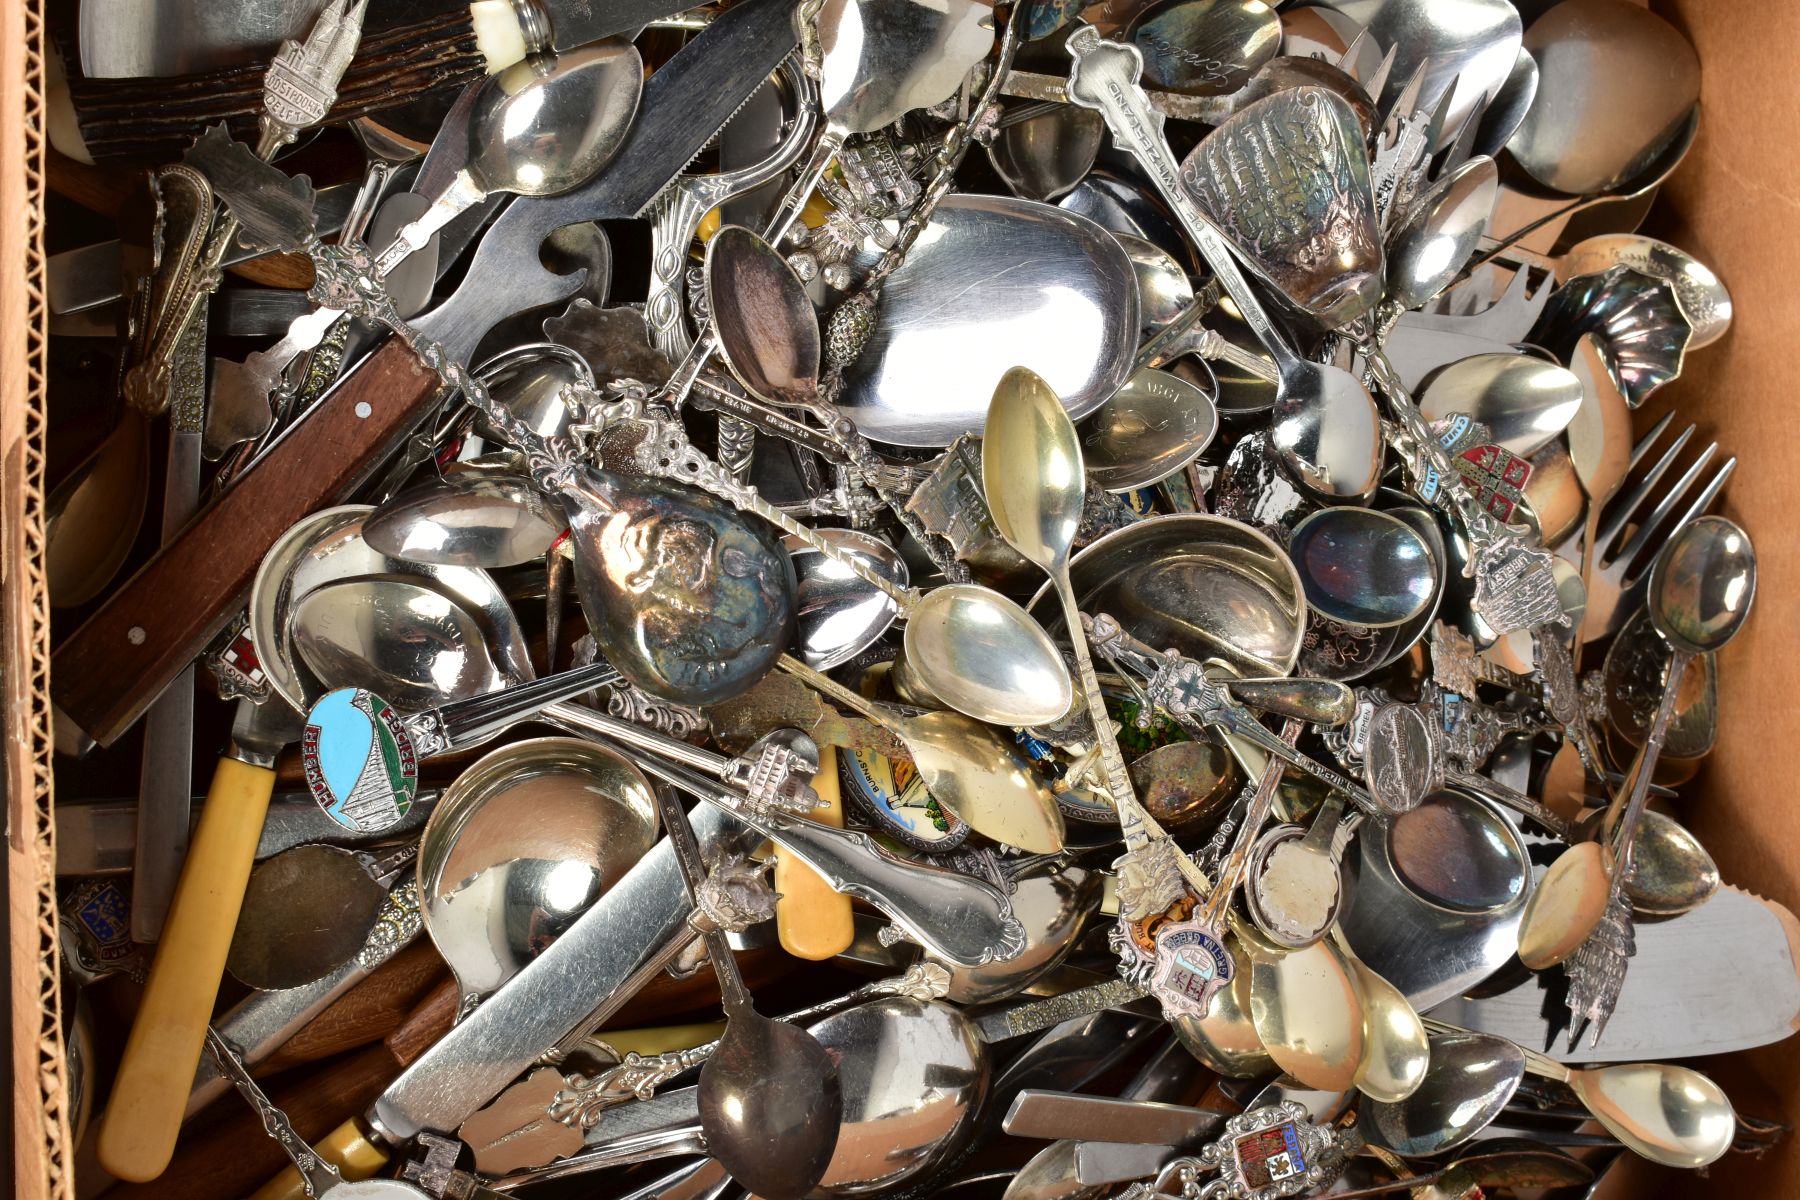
[(684, 104), (154, 625), (1714, 980), (497, 1042)]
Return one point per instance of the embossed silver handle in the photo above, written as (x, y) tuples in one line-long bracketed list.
[(1104, 77)]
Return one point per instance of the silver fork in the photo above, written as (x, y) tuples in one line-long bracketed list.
[(1622, 568)]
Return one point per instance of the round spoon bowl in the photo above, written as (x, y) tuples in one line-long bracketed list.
[(1567, 906), (913, 1076), (1702, 585), (1225, 1039), (1043, 157), (522, 844), (1054, 908), (408, 643), (1396, 1052), (1204, 47), (1327, 431), (838, 616), (1362, 567), (306, 912), (1471, 1079), (984, 656), (466, 520), (1164, 289), (1149, 429), (1429, 251), (1668, 1114), (548, 124), (1525, 402), (769, 1105), (1210, 587)]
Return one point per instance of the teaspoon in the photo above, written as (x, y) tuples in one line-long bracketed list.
[(769, 1097)]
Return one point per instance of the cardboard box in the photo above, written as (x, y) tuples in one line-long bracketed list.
[(1735, 203)]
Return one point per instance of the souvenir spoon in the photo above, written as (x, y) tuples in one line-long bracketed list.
[(1164, 290), (1149, 429), (541, 126), (1702, 294), (411, 643), (1669, 1114), (466, 520), (1524, 402), (966, 766), (308, 910), (1205, 47), (1701, 589), (882, 59), (361, 756), (974, 649), (1325, 427), (769, 1097)]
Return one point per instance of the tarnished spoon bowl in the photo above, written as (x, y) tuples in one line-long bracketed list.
[(524, 841), (1044, 156), (1363, 567), (1146, 431), (1208, 586)]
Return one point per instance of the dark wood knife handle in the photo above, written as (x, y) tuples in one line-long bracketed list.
[(107, 673), (159, 118)]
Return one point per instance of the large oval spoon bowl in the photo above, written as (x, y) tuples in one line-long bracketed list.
[(984, 656)]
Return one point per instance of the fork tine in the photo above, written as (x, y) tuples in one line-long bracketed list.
[(1643, 447), (1652, 524), (1378, 80), (1463, 145), (1352, 53), (1618, 513)]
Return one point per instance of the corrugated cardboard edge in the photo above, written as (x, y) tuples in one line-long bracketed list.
[(42, 1159)]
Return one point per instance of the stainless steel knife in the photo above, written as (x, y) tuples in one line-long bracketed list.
[(470, 1065), (1720, 978)]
